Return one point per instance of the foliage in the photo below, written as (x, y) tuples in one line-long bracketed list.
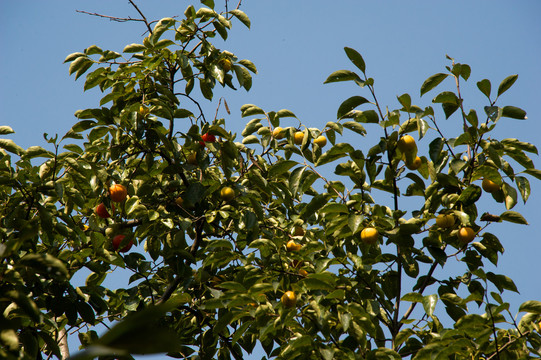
[(208, 274)]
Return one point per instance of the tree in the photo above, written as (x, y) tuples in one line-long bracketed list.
[(270, 237)]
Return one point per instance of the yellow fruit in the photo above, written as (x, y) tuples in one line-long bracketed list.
[(303, 272), (293, 246), (278, 133), (226, 64), (415, 164), (445, 221), (179, 201), (369, 235), (298, 137), (227, 193), (298, 231), (143, 110), (118, 193), (406, 144), (466, 235), (489, 186), (320, 141), (289, 299), (192, 158)]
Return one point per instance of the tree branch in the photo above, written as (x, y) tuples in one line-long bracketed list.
[(142, 15)]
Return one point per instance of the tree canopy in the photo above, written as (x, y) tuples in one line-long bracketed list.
[(283, 236)]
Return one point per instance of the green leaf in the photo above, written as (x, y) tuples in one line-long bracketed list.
[(285, 113), (10, 146), (502, 282), (73, 56), (432, 82), (45, 264), (485, 87), (37, 151), (281, 167), (320, 281), (343, 75), (506, 84), (446, 97), (355, 58), (494, 113), (514, 217), (242, 17), (354, 222), (355, 127), (133, 48), (405, 101), (250, 109), (314, 205), (413, 297), (514, 112), (4, 130), (530, 306), (520, 145), (534, 172), (138, 333), (435, 149), (470, 195), (523, 185), (336, 152), (368, 116), (248, 65), (429, 303), (349, 105), (334, 208)]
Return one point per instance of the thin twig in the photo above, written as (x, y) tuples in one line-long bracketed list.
[(142, 15), (112, 18)]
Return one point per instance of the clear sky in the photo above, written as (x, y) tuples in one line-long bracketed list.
[(296, 45)]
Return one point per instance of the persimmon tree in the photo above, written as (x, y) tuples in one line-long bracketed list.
[(309, 248)]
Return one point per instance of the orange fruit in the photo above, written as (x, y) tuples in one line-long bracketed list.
[(406, 144), (445, 220), (293, 246), (118, 193), (466, 235), (289, 299), (415, 164), (489, 186), (320, 141), (278, 133), (227, 193), (298, 137), (369, 235), (226, 64)]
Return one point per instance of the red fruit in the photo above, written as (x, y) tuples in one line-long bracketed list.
[(117, 240), (206, 137), (102, 212)]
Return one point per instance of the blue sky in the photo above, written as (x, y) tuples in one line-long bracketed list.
[(295, 46)]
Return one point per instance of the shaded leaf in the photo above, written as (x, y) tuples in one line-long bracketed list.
[(531, 306), (514, 112), (485, 87), (514, 217), (506, 84), (355, 58), (432, 82), (350, 104)]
